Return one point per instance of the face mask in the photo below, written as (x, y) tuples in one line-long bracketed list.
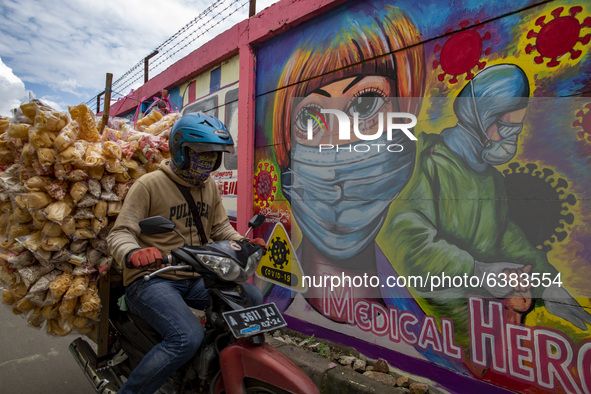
[(340, 199), (507, 130), (200, 166), (499, 152)]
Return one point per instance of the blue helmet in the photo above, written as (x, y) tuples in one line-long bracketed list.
[(200, 133)]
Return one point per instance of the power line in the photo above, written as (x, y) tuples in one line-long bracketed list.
[(156, 63), (170, 40), (170, 50), (168, 57)]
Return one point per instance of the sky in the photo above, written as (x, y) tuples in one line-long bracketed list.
[(59, 51)]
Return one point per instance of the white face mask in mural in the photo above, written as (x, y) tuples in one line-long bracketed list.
[(499, 152), (339, 198)]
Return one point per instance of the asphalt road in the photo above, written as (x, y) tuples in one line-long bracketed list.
[(33, 362)]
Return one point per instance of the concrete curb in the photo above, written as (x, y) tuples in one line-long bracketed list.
[(329, 377)]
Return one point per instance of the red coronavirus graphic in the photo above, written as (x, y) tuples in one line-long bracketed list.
[(558, 37), (264, 184), (584, 123), (461, 53)]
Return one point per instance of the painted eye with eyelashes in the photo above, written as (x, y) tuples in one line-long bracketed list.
[(308, 114), (366, 103)]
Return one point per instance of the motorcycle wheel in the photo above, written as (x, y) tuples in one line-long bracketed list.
[(254, 386)]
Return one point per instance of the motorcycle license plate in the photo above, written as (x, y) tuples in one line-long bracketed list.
[(254, 320)]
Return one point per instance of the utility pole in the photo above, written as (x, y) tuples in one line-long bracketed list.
[(107, 105), (146, 62), (98, 101)]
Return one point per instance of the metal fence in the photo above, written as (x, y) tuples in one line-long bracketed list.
[(177, 46)]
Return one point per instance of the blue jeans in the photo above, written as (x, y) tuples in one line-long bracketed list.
[(163, 303)]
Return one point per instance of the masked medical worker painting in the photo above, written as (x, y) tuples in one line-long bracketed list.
[(453, 216)]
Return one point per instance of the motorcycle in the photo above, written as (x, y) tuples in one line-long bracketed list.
[(233, 357)]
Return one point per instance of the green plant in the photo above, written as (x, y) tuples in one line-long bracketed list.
[(307, 341), (324, 350)]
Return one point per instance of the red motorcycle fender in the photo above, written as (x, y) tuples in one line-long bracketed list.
[(263, 362)]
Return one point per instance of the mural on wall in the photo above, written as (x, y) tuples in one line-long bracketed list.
[(496, 185), (215, 92)]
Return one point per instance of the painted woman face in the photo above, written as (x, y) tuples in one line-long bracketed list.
[(368, 96)]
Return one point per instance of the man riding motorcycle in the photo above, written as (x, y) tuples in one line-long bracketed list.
[(181, 190)]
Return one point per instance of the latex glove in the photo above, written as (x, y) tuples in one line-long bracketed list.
[(145, 257), (497, 291), (261, 242), (560, 303)]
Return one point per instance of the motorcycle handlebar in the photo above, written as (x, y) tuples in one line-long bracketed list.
[(168, 259)]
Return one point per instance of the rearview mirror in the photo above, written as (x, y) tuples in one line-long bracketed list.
[(156, 225), (256, 221)]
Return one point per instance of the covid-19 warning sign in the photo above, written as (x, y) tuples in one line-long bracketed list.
[(280, 265)]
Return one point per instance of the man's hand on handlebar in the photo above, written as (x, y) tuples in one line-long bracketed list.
[(261, 242), (145, 257)]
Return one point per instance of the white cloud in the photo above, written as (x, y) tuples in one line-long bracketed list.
[(54, 102), (70, 45), (80, 41), (12, 90), (70, 85)]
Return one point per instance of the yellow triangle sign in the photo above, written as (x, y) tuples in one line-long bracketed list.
[(280, 264)]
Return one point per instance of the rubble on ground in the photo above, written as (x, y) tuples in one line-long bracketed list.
[(340, 355)]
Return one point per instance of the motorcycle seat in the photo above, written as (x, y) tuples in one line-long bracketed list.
[(145, 328)]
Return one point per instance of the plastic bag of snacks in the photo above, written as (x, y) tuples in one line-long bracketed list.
[(62, 185)]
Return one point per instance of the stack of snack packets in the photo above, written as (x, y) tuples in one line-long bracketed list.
[(62, 184)]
